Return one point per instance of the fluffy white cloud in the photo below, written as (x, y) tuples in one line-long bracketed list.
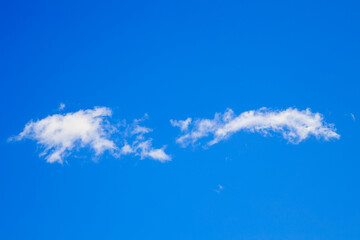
[(61, 134), (294, 125)]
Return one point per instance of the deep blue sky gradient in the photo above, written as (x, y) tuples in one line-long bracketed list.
[(174, 60)]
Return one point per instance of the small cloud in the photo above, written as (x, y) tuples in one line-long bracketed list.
[(352, 116), (126, 149), (140, 130), (140, 145), (59, 134), (146, 150), (62, 106), (182, 124), (219, 188)]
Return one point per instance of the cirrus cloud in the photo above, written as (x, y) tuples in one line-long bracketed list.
[(294, 125)]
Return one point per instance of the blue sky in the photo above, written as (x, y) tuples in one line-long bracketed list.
[(179, 60)]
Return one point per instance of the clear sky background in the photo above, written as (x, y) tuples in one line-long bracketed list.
[(173, 60)]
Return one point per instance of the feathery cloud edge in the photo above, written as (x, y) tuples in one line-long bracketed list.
[(294, 125)]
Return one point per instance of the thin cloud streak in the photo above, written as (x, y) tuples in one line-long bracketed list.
[(294, 125), (352, 116)]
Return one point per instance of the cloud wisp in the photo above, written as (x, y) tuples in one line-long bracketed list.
[(136, 143), (294, 125), (61, 106), (62, 134), (219, 188), (352, 116)]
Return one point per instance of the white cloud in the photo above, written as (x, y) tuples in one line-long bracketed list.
[(292, 124), (182, 124), (62, 134), (144, 149), (61, 106), (140, 145), (126, 149), (140, 130), (352, 116)]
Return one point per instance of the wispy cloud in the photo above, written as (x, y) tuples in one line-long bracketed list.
[(292, 124), (219, 188), (62, 134), (144, 149), (137, 143), (61, 106), (182, 124), (352, 116)]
